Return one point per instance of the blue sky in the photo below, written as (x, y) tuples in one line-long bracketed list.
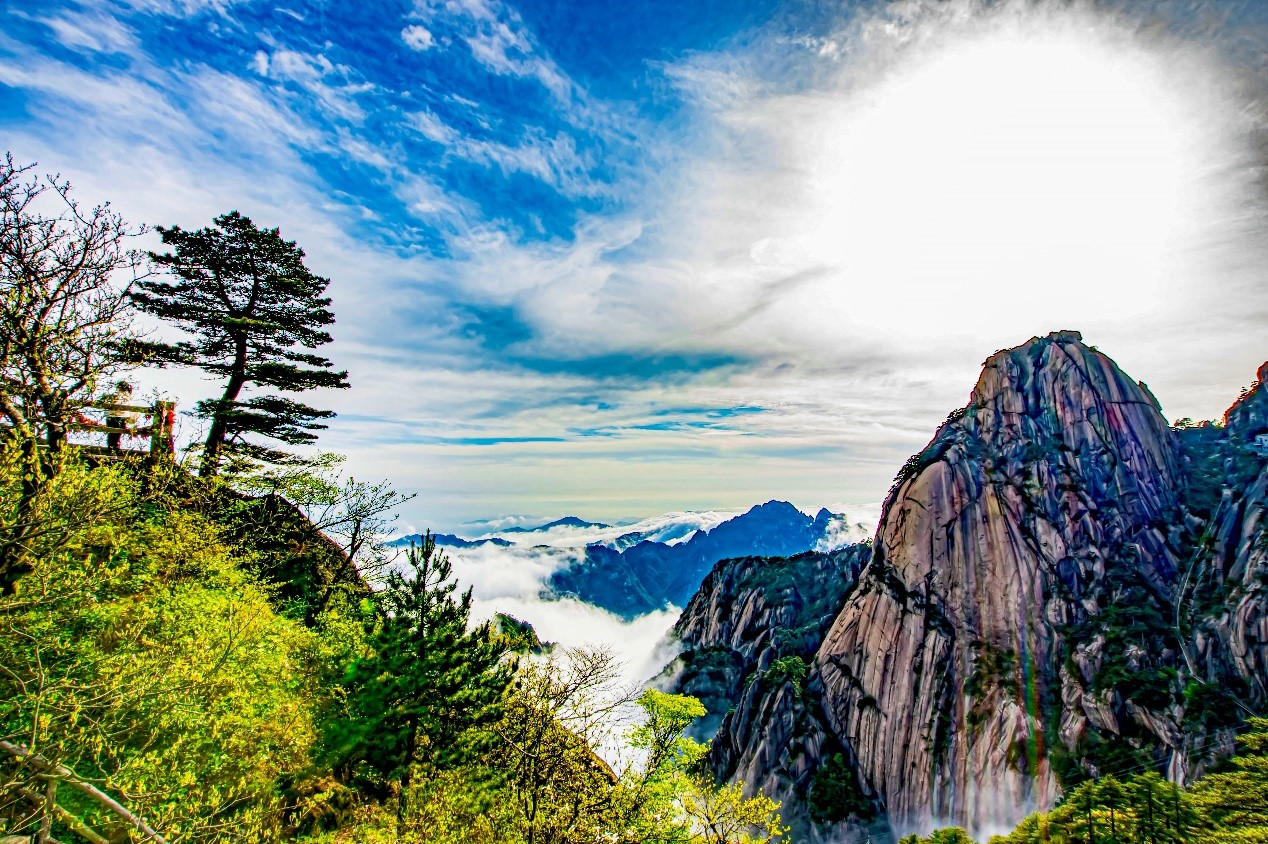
[(623, 259)]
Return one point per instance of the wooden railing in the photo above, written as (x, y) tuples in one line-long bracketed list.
[(162, 416)]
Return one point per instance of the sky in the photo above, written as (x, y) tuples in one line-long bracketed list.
[(615, 260)]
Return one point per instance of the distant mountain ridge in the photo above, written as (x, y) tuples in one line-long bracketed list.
[(448, 540), (566, 521), (647, 576)]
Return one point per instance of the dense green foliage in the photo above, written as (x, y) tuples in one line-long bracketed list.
[(425, 681), (155, 682), (951, 835), (791, 670), (835, 794), (140, 656)]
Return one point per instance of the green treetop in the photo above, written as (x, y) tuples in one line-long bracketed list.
[(426, 682)]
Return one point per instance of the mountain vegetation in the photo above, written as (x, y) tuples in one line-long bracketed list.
[(234, 654), (1063, 609)]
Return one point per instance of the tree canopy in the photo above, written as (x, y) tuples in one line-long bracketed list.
[(255, 313)]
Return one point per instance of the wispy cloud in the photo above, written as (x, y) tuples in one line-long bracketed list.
[(330, 84), (497, 38), (182, 8), (93, 31), (549, 299)]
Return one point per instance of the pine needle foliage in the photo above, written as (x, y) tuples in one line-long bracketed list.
[(255, 313), (425, 684)]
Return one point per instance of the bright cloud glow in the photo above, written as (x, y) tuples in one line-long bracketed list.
[(958, 168), (1046, 157)]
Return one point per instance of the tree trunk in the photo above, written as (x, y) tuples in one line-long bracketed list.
[(210, 464), (53, 407), (13, 549), (50, 806)]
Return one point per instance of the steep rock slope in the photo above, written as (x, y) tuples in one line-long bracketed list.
[(752, 611), (1014, 551), (1224, 585), (1062, 586), (747, 637)]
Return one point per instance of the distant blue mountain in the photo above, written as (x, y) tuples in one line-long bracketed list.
[(448, 540), (648, 576), (566, 521), (627, 540)]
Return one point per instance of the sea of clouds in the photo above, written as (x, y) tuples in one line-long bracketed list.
[(511, 579)]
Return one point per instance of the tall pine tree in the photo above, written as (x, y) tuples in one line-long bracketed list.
[(426, 683), (255, 313)]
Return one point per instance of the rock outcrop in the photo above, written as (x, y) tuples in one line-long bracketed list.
[(747, 638), (945, 669), (751, 611), (1224, 584), (1061, 586)]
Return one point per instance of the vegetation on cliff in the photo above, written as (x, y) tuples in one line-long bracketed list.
[(1227, 806)]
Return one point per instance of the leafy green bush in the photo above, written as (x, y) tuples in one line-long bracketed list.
[(140, 654)]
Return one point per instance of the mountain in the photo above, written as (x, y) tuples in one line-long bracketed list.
[(1061, 586), (566, 521), (648, 576), (752, 611), (448, 540)]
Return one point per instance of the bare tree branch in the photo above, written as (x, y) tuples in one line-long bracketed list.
[(63, 774)]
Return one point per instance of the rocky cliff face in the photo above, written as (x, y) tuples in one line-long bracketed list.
[(1046, 601), (750, 612), (747, 639), (1224, 584)]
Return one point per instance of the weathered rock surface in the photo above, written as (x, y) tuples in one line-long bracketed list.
[(995, 537), (749, 613), (1061, 586), (1225, 582)]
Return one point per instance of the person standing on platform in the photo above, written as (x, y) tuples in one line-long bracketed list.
[(117, 418)]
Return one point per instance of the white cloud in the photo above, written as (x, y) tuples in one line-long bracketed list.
[(666, 527), (417, 37), (554, 160), (500, 41), (433, 128), (94, 32), (327, 82), (183, 8), (510, 580)]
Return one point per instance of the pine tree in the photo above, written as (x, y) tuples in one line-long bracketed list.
[(253, 309), (427, 682), (1234, 801)]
